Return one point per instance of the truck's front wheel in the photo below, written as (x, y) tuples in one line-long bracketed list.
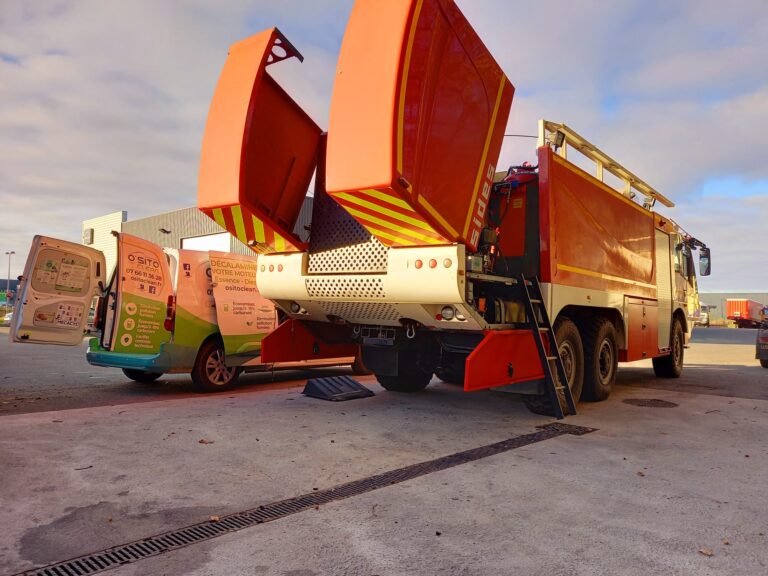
[(210, 372)]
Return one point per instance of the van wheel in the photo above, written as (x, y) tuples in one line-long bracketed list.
[(141, 376), (764, 363), (601, 360), (210, 372), (671, 365), (412, 382)]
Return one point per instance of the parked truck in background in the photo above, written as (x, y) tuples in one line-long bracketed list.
[(744, 312), (419, 250)]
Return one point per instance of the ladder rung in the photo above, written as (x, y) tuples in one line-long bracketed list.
[(535, 301), (543, 329), (550, 358)]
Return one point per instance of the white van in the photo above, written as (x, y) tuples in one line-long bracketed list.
[(163, 311)]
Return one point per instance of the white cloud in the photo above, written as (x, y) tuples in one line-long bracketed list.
[(104, 103)]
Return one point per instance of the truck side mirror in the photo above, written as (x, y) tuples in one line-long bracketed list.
[(705, 267)]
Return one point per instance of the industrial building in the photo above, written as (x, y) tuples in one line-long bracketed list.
[(186, 228)]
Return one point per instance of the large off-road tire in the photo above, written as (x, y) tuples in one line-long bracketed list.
[(210, 372), (140, 376), (764, 363), (601, 359), (571, 351), (410, 382), (671, 365)]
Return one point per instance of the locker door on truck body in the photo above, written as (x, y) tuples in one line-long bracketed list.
[(60, 280)]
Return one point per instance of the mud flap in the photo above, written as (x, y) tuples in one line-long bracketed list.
[(503, 357)]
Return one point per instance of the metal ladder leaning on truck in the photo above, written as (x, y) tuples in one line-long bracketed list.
[(417, 250)]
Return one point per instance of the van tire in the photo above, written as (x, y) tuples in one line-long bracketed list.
[(764, 363), (140, 376), (210, 372)]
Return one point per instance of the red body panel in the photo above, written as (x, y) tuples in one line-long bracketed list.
[(294, 341), (489, 364), (417, 119), (259, 148), (592, 236)]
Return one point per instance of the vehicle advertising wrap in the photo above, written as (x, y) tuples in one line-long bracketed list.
[(195, 305), (144, 287), (243, 315)]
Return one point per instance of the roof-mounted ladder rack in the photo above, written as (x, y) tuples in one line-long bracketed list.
[(561, 137)]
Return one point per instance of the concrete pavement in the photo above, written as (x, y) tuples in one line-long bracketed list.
[(642, 495)]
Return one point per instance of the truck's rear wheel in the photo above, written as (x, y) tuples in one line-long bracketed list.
[(141, 376), (764, 363), (571, 351), (210, 372), (411, 382), (601, 360), (671, 365)]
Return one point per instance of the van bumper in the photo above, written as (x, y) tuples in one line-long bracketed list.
[(159, 362)]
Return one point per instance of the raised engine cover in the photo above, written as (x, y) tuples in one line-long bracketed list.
[(259, 149), (417, 119)]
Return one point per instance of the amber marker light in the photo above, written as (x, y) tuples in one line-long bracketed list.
[(433, 263), (418, 264)]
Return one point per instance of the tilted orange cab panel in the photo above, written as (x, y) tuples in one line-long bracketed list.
[(417, 119), (259, 148)]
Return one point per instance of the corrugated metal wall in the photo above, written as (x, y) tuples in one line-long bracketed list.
[(102, 235)]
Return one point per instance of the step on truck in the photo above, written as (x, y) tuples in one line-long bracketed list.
[(162, 311), (420, 250)]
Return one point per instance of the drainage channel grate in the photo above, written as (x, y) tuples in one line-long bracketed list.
[(155, 545), (650, 403)]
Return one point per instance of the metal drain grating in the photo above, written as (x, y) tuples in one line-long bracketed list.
[(155, 545), (649, 403)]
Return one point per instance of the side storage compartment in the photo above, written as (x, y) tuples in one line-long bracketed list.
[(643, 327)]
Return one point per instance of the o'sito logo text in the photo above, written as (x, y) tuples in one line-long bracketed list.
[(481, 206), (143, 260)]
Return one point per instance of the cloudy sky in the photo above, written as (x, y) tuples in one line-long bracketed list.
[(103, 102)]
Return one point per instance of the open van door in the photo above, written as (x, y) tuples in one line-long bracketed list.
[(244, 316), (59, 282), (142, 292)]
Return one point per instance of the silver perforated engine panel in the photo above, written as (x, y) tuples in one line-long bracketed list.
[(345, 287), (338, 244), (362, 311)]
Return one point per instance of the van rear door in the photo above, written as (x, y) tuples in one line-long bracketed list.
[(142, 290), (59, 282), (244, 316)]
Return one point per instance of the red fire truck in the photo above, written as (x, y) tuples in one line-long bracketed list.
[(420, 251)]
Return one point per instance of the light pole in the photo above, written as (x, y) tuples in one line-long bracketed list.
[(8, 282)]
